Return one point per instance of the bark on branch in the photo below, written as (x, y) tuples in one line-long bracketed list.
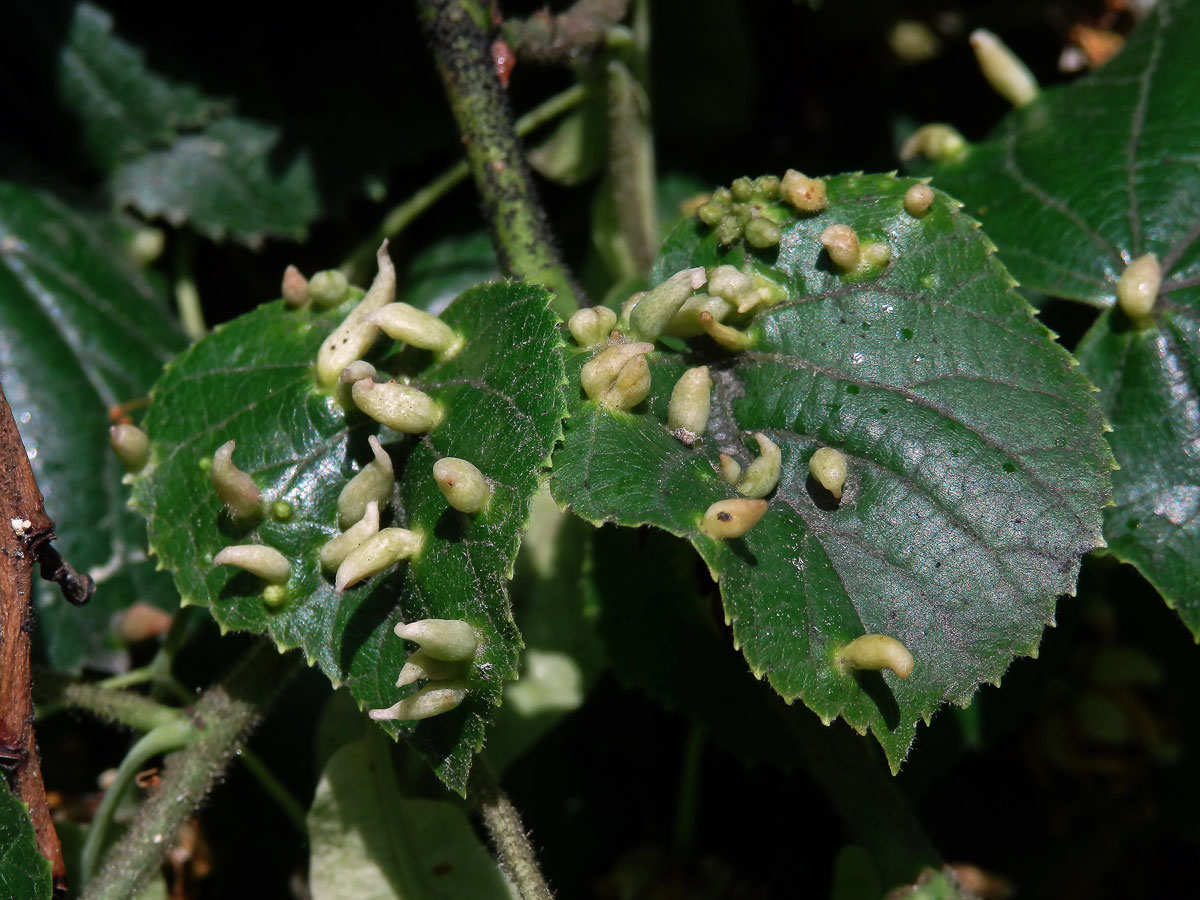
[(25, 532)]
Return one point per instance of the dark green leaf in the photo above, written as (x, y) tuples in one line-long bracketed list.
[(24, 872), (252, 381), (171, 152), (371, 843), (81, 330), (231, 180), (124, 109), (977, 464), (1072, 188)]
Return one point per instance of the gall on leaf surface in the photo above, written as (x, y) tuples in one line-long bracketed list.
[(976, 463), (252, 381), (1073, 188)]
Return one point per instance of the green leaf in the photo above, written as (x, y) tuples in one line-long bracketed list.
[(24, 872), (174, 153), (370, 843), (124, 109), (1073, 187), (977, 466), (231, 180), (81, 330), (252, 381)]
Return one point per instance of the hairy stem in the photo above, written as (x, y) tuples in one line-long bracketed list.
[(222, 717), (454, 31), (165, 738), (360, 262), (508, 834), (54, 691)]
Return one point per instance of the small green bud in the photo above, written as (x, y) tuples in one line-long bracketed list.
[(335, 550), (282, 511), (355, 335), (145, 246), (295, 287), (828, 467), (462, 484), (742, 189), (234, 487), (723, 196), (327, 289), (729, 338), (728, 519), (378, 552), (357, 371), (450, 640), (373, 483), (841, 243), (690, 401), (729, 230), (686, 322), (276, 595), (600, 372), (936, 141), (762, 233), (398, 406), (1137, 289), (421, 666), (1003, 69), (918, 199), (650, 316), (591, 326), (413, 326), (768, 187), (433, 699), (711, 213), (258, 559), (763, 474), (131, 445), (731, 469), (806, 195), (873, 652)]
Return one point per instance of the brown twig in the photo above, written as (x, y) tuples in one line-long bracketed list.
[(543, 38), (25, 532)]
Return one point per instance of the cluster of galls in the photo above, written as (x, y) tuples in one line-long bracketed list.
[(361, 549), (741, 212), (695, 302)]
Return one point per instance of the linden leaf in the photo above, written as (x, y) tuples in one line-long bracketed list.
[(81, 331), (370, 842), (1072, 188), (171, 151), (977, 468), (252, 381), (24, 872)]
